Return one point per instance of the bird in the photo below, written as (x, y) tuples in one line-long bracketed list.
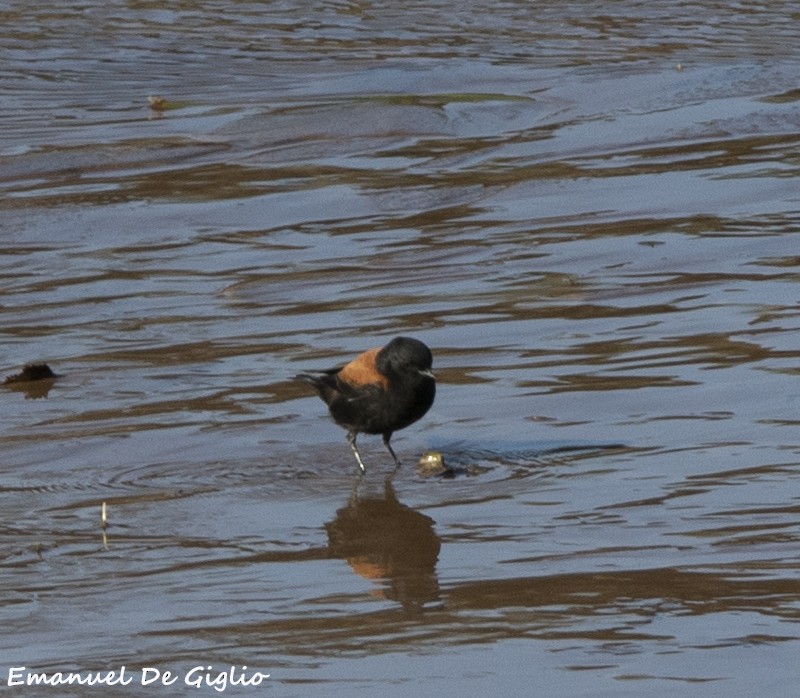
[(379, 392)]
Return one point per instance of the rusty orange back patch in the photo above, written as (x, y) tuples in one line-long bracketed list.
[(362, 370)]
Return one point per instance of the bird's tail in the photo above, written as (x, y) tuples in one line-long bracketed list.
[(310, 377)]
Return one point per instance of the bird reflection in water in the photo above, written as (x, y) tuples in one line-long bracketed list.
[(389, 543)]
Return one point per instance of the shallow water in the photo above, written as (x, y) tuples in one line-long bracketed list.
[(589, 211)]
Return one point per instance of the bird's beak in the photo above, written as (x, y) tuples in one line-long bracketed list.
[(429, 373)]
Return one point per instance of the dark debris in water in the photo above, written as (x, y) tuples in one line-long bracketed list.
[(35, 379), (31, 372)]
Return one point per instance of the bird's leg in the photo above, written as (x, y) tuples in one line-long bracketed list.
[(386, 437), (351, 439)]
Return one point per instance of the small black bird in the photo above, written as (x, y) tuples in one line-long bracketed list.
[(380, 391)]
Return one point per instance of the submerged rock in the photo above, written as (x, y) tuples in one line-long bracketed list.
[(432, 464)]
